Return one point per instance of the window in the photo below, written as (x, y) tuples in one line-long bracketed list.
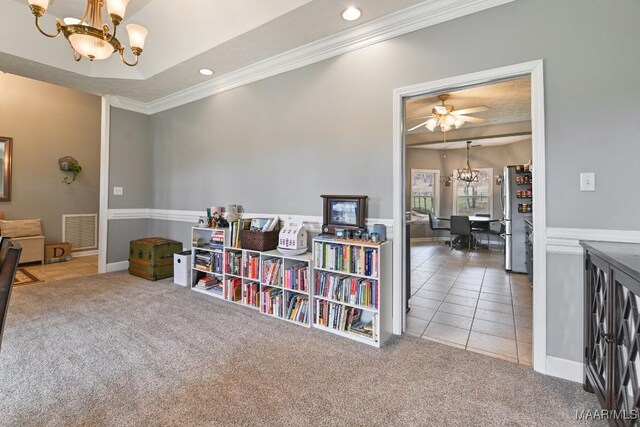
[(425, 191), (476, 197)]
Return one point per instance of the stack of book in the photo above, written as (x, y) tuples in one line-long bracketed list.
[(203, 261), (217, 240), (209, 283)]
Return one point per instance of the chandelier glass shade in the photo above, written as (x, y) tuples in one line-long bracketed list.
[(89, 36), (466, 174)]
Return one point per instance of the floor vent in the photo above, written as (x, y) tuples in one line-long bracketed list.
[(81, 230)]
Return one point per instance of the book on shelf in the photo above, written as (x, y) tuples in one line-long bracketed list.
[(251, 265), (271, 271), (297, 277), (235, 228), (252, 294), (345, 319), (346, 258), (233, 262), (233, 289), (209, 282), (298, 307), (272, 301), (347, 289)]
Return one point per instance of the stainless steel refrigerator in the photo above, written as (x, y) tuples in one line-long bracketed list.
[(517, 189)]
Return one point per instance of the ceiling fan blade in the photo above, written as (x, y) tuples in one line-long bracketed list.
[(416, 127), (471, 110), (471, 119), (410, 119)]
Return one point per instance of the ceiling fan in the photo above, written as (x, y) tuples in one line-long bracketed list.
[(447, 117)]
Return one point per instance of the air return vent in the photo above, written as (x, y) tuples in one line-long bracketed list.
[(81, 230)]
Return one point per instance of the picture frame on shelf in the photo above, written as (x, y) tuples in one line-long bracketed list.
[(346, 212)]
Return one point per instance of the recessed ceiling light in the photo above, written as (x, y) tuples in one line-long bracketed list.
[(351, 13), (206, 72)]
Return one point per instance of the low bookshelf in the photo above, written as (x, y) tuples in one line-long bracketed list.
[(274, 284), (352, 289)]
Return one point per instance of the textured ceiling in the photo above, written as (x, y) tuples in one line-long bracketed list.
[(75, 8), (508, 111), (311, 21)]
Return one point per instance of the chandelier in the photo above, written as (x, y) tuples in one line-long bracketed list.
[(466, 174), (89, 36)]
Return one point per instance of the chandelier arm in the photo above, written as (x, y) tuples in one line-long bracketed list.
[(58, 27), (125, 61)]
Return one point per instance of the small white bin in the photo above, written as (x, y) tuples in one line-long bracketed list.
[(182, 268)]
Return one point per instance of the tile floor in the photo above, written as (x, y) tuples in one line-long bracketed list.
[(78, 266), (465, 299)]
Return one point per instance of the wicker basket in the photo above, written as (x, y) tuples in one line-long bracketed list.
[(258, 240)]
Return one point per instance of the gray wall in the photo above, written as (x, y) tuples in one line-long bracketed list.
[(47, 122), (277, 144), (130, 154), (496, 157)]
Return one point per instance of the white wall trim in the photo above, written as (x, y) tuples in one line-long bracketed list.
[(117, 266), (565, 369), (84, 253), (312, 223), (396, 24), (105, 126), (567, 240), (535, 70)]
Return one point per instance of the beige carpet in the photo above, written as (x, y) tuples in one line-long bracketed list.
[(117, 350)]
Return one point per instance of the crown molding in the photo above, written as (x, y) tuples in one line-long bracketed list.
[(413, 18)]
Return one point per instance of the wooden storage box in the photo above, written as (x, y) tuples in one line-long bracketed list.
[(152, 257), (57, 252), (258, 240)]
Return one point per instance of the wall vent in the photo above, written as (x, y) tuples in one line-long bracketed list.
[(81, 230)]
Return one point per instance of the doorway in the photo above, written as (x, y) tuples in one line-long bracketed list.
[(469, 261)]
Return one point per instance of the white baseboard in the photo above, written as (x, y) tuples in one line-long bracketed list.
[(117, 266), (84, 253), (565, 369)]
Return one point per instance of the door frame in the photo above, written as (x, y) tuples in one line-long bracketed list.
[(535, 70)]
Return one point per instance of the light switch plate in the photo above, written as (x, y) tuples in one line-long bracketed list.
[(118, 191), (587, 181)]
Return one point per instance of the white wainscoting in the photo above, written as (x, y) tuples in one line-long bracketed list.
[(567, 240), (312, 223)]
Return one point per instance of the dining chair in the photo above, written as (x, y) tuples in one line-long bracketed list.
[(460, 227), (481, 227), (493, 232), (435, 224), (7, 277)]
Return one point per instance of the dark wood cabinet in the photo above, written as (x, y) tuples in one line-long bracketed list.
[(612, 328)]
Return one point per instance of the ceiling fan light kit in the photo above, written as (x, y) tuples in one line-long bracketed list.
[(447, 118), (89, 36)]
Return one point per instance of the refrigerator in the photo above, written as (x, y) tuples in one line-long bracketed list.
[(517, 192)]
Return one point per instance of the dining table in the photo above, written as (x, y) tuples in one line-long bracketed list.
[(477, 222)]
